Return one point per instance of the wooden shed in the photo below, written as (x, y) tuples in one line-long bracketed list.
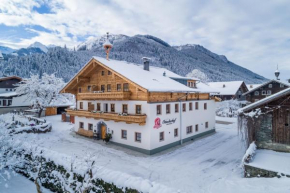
[(268, 122)]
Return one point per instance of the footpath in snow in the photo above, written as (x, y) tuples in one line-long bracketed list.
[(210, 164)]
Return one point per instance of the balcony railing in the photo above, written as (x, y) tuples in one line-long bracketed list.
[(104, 96), (129, 119)]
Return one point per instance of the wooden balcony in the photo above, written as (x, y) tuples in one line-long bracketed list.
[(104, 96), (129, 119)]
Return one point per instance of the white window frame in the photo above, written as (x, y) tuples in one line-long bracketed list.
[(257, 93), (264, 92), (270, 86)]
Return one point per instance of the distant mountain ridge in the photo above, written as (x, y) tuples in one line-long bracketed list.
[(179, 59)]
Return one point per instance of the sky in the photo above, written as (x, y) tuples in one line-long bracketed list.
[(254, 34)]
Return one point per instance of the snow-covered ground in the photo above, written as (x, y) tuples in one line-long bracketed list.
[(18, 184), (211, 164)]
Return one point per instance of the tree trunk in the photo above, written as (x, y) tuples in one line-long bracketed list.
[(39, 112), (38, 187)]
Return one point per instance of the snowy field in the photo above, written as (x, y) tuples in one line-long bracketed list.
[(211, 164)]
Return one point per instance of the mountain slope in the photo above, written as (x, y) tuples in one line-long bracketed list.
[(6, 50), (181, 59)]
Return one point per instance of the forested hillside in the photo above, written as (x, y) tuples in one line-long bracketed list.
[(180, 59)]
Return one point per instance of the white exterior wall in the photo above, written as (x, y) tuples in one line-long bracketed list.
[(150, 136), (3, 90), (189, 118)]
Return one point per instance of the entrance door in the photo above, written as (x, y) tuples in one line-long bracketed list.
[(103, 129)]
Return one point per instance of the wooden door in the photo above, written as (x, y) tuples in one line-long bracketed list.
[(103, 128)]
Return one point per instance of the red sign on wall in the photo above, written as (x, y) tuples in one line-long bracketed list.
[(157, 123)]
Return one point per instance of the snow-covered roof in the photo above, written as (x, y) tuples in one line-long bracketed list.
[(60, 102), (152, 80), (8, 94), (261, 85), (252, 86), (226, 88), (265, 100), (10, 77)]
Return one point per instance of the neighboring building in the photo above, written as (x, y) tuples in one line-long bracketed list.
[(7, 89), (268, 121), (143, 108), (265, 90), (229, 90)]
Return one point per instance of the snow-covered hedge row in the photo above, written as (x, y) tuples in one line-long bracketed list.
[(228, 108)]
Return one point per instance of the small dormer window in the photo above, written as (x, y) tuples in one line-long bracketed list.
[(270, 85), (256, 93)]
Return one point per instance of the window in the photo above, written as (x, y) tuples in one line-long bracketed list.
[(6, 89), (98, 106), (161, 136), (138, 137), (189, 129), (176, 132), (124, 134), (281, 85), (158, 109), (81, 105), (190, 106), (138, 109), (80, 90), (103, 73), (9, 102), (264, 92), (112, 108), (109, 72), (196, 128), (257, 93), (196, 105), (89, 88), (270, 85), (119, 87), (81, 125), (90, 126), (0, 102), (184, 107), (167, 108), (126, 87), (206, 125), (269, 92), (125, 108), (10, 89), (176, 107), (103, 88), (205, 106), (109, 88)]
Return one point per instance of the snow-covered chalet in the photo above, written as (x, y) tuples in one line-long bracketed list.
[(143, 107)]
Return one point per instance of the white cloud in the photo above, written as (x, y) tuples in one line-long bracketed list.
[(253, 34)]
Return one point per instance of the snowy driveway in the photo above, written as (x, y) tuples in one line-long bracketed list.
[(210, 164)]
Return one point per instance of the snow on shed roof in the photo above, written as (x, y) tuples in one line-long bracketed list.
[(265, 100), (226, 88), (261, 85), (152, 80)]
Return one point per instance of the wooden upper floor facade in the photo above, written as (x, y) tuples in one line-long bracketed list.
[(96, 81)]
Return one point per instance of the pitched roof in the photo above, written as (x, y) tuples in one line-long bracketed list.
[(281, 82), (10, 77), (265, 100), (226, 88), (152, 80), (252, 86)]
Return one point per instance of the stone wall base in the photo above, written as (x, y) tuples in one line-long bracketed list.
[(251, 172)]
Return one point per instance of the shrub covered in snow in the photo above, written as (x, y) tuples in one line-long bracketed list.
[(228, 108)]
